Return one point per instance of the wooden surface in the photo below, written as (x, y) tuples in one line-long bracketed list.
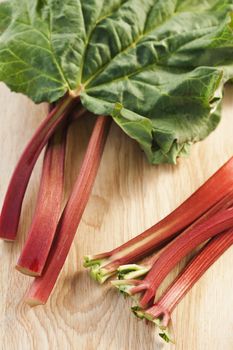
[(129, 195)]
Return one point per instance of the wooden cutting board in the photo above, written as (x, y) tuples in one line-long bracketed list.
[(129, 196)]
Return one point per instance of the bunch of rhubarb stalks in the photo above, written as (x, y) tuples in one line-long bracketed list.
[(52, 229), (204, 221), (202, 225)]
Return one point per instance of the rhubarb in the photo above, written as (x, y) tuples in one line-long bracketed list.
[(133, 271), (177, 250), (210, 193), (36, 249), (11, 210), (68, 224), (133, 61), (167, 82), (160, 312)]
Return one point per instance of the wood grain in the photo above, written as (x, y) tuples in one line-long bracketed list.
[(129, 195)]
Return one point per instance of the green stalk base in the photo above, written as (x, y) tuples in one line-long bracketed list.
[(165, 332), (131, 271), (97, 272)]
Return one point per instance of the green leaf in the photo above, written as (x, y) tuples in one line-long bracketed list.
[(157, 66), (40, 51), (5, 16)]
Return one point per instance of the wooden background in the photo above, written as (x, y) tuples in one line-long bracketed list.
[(129, 196)]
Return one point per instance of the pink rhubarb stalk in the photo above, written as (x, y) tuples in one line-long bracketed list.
[(211, 192), (35, 252), (160, 312), (14, 197), (68, 224), (132, 271), (177, 250)]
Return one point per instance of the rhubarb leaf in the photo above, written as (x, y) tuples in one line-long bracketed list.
[(168, 135), (157, 66), (5, 16)]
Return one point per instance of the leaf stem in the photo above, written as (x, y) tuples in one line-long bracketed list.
[(179, 248), (160, 312), (41, 288), (132, 271), (36, 249), (211, 192), (16, 190)]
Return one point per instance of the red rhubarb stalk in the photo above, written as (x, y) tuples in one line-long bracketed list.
[(177, 250), (132, 271), (68, 224), (14, 197), (35, 252), (160, 312), (211, 192)]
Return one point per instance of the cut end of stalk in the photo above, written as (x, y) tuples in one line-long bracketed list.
[(6, 234), (90, 261), (165, 332), (33, 302), (97, 272), (27, 272), (130, 287), (7, 240), (166, 336), (138, 312), (123, 287), (131, 271)]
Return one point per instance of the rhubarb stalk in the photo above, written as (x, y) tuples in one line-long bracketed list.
[(16, 190), (43, 285), (160, 312), (211, 192), (132, 271), (177, 250), (35, 252)]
